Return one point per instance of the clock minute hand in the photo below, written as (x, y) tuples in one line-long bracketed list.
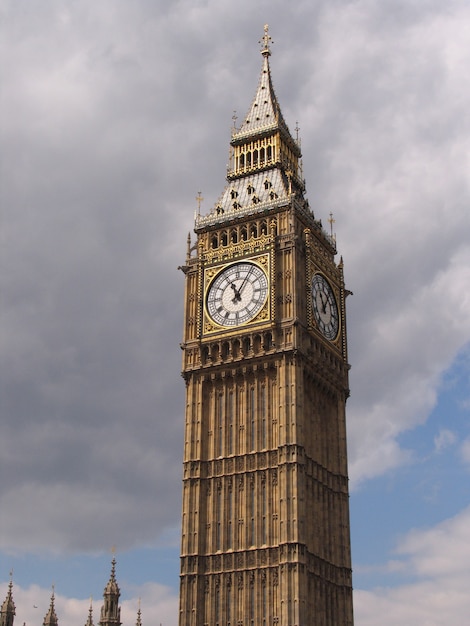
[(240, 289)]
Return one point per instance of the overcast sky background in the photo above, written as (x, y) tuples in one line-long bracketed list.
[(114, 114)]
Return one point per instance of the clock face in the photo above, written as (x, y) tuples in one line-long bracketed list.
[(237, 294), (325, 308)]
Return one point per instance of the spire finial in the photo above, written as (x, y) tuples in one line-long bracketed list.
[(199, 200), (331, 221), (265, 41)]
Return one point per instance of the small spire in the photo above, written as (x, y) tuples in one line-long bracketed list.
[(8, 608), (51, 617), (89, 621), (111, 611), (265, 41), (139, 616)]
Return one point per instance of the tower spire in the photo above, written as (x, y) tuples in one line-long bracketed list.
[(262, 153), (139, 616), (8, 610), (111, 611), (265, 113), (50, 618), (89, 621)]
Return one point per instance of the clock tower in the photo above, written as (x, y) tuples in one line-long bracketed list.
[(265, 520)]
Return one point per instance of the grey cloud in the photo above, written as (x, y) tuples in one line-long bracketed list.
[(118, 115)]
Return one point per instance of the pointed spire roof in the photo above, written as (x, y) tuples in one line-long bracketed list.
[(112, 587), (264, 171), (264, 113), (8, 610), (139, 616), (51, 617), (89, 621), (111, 611)]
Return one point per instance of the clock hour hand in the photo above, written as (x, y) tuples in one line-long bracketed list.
[(324, 302), (236, 294)]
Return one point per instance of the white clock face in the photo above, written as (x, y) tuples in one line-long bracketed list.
[(237, 294), (325, 308)]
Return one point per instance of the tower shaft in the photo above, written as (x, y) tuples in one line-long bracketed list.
[(265, 528)]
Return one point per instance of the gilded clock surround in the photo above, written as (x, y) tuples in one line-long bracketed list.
[(211, 274), (265, 528)]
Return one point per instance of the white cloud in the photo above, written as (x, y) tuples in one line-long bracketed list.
[(159, 605), (401, 214), (438, 559), (465, 451), (441, 551), (445, 439)]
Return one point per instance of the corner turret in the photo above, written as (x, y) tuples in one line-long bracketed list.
[(111, 611)]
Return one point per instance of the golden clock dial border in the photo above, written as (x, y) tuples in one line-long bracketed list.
[(210, 274)]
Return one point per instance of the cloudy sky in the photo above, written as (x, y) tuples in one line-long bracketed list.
[(114, 114)]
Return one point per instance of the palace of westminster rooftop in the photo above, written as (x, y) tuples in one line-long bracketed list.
[(110, 611)]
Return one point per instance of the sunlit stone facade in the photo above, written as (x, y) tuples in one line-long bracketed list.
[(265, 520)]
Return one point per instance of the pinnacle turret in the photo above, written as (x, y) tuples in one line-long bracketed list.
[(50, 618), (8, 610), (139, 616), (89, 621), (110, 611)]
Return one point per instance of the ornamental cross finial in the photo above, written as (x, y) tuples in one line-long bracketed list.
[(265, 41), (199, 200), (332, 221)]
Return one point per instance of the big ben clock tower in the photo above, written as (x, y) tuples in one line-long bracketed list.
[(265, 528)]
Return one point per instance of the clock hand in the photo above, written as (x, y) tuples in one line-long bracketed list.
[(244, 280), (236, 293), (323, 302)]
